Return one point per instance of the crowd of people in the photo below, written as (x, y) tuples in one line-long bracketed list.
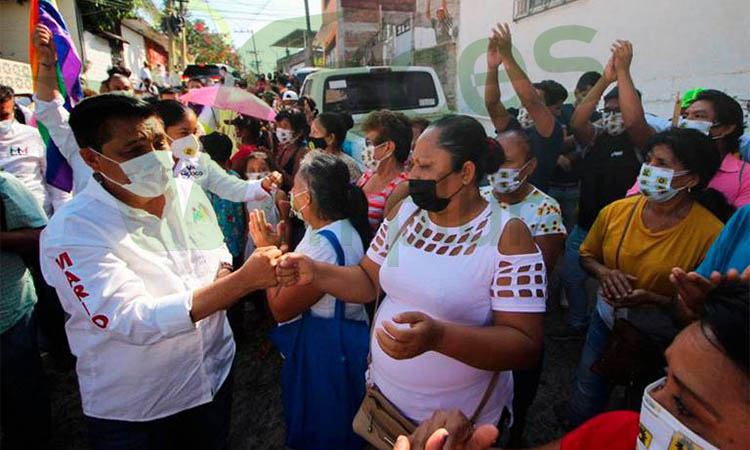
[(409, 287)]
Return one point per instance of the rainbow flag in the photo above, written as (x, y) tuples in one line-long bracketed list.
[(59, 172)]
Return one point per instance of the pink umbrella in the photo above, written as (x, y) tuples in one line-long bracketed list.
[(231, 98)]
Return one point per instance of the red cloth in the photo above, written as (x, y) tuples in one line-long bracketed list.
[(243, 152), (617, 430)]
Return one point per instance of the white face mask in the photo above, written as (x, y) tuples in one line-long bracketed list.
[(524, 118), (700, 125), (613, 123), (505, 181), (148, 173), (254, 176), (661, 430), (284, 136), (187, 147), (6, 126), (296, 210), (369, 160), (656, 183)]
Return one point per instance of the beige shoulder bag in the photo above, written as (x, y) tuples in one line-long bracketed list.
[(378, 421)]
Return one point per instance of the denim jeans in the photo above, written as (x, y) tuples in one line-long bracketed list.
[(573, 279), (567, 197), (25, 400), (590, 391), (204, 427)]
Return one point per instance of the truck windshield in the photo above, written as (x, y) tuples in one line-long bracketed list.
[(365, 92)]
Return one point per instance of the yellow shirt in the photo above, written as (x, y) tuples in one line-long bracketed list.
[(650, 255)]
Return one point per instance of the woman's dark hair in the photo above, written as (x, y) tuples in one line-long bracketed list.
[(465, 139), (336, 124), (391, 126), (218, 146), (698, 154), (327, 178), (90, 119), (727, 111), (296, 119), (171, 112), (726, 321), (251, 126), (587, 80)]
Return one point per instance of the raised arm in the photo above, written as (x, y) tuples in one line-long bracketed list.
[(580, 122), (630, 102), (46, 89), (527, 93), (492, 98)]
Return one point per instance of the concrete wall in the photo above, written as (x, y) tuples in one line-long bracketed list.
[(14, 28), (134, 52), (99, 59), (678, 45)]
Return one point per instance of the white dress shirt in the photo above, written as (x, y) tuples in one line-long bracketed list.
[(22, 153), (126, 279), (210, 177)]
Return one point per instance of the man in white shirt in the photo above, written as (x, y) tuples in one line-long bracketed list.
[(22, 153), (139, 263), (226, 77), (145, 72)]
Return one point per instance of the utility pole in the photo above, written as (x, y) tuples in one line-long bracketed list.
[(183, 8), (255, 53), (172, 58), (308, 37)]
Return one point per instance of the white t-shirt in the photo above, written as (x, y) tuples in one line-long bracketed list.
[(22, 153), (319, 249)]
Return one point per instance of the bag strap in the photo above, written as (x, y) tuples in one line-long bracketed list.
[(485, 397), (330, 236), (624, 232)]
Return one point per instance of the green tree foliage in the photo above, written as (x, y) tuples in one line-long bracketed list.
[(105, 15)]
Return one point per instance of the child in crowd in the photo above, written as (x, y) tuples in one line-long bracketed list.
[(276, 207)]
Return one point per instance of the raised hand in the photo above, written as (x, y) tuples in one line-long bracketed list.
[(262, 232), (494, 58), (610, 74), (503, 40), (422, 335), (295, 269), (622, 52), (44, 45)]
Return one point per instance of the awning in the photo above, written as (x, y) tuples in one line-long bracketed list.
[(295, 39)]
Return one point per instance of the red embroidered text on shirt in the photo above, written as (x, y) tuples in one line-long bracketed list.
[(64, 261)]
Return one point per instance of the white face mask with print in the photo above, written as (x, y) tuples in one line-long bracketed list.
[(505, 181), (148, 173), (187, 147), (6, 126), (661, 430), (284, 136), (368, 157), (613, 123), (524, 118), (656, 183)]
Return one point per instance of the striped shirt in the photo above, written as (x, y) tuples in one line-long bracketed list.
[(376, 202)]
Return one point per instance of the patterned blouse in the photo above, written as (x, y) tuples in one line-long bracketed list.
[(231, 217), (539, 211)]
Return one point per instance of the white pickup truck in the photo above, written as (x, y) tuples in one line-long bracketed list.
[(414, 90)]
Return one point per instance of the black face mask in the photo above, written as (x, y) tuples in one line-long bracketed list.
[(424, 194), (318, 143)]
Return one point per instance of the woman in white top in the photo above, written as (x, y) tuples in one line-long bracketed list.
[(465, 284), (325, 200)]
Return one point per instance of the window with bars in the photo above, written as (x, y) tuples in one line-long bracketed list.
[(525, 8)]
